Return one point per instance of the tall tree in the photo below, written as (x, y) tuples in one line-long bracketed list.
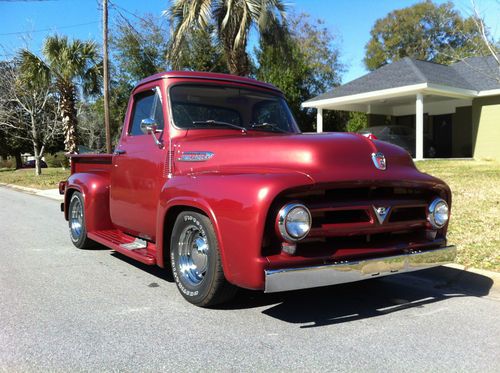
[(70, 65), (91, 116), (424, 31), (200, 52), (10, 141), (232, 21), (305, 64), (139, 48), (28, 110)]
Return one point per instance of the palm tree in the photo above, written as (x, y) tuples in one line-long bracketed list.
[(233, 20), (69, 64)]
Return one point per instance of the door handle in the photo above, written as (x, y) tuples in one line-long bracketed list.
[(119, 152)]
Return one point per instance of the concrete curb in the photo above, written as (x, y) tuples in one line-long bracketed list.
[(493, 276), (47, 193)]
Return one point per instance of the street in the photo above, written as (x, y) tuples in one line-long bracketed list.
[(64, 309)]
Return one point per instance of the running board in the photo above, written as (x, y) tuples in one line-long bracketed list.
[(133, 247)]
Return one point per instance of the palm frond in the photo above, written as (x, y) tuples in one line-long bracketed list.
[(186, 16), (233, 20), (228, 10), (34, 71), (241, 36), (92, 80)]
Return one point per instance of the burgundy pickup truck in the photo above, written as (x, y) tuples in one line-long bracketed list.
[(213, 178)]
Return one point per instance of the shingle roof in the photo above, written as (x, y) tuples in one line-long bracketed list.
[(480, 72), (475, 73)]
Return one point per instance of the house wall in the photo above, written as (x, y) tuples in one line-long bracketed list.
[(486, 127), (377, 120), (462, 132)]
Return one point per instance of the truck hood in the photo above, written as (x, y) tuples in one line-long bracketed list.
[(329, 157)]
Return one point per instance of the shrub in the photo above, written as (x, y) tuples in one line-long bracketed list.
[(357, 121), (8, 163), (58, 159)]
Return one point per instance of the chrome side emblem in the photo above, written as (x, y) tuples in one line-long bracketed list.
[(195, 156), (381, 213), (379, 161)]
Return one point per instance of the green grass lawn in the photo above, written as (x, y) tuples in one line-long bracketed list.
[(475, 214), (49, 178), (475, 218)]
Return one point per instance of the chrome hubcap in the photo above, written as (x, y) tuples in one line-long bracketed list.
[(76, 220), (193, 255)]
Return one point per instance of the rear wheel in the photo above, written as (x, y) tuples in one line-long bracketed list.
[(196, 262), (76, 221)]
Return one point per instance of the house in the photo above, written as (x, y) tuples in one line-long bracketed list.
[(456, 107)]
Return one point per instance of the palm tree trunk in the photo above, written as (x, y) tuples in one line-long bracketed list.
[(237, 61), (69, 119)]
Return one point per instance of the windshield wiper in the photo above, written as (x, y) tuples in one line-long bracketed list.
[(268, 125), (220, 123)]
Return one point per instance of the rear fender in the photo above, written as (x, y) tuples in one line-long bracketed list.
[(95, 191)]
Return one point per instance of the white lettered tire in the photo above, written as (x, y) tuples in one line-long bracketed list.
[(196, 262)]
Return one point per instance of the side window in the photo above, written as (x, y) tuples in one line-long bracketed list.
[(146, 105)]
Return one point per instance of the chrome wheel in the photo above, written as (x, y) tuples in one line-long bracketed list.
[(193, 255), (76, 219)]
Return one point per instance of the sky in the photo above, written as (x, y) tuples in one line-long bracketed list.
[(25, 23)]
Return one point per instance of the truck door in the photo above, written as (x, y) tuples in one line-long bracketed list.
[(137, 175)]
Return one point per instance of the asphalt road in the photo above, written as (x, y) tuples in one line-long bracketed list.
[(63, 309)]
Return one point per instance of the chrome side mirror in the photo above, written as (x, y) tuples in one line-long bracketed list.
[(149, 126)]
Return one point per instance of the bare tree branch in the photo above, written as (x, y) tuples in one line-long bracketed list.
[(27, 113), (480, 24)]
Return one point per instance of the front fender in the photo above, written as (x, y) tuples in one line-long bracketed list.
[(237, 205)]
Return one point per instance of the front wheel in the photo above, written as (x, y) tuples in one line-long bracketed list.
[(196, 262), (76, 220)]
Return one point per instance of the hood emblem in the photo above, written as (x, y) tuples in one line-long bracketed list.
[(381, 213), (379, 161)]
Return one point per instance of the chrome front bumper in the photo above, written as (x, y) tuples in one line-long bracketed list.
[(331, 274)]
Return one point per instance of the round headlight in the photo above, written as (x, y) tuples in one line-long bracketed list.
[(438, 213), (294, 221)]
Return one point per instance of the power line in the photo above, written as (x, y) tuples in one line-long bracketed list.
[(47, 29), (118, 8), (134, 33), (23, 1)]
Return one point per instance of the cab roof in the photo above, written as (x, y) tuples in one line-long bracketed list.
[(208, 76)]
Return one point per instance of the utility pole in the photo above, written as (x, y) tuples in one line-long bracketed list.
[(106, 73)]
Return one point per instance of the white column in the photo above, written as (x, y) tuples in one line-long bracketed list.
[(319, 121), (419, 138)]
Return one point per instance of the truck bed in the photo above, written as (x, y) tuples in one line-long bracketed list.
[(90, 163)]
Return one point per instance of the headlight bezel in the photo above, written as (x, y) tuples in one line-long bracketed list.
[(281, 221), (431, 214)]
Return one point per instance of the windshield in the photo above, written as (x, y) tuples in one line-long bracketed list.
[(211, 106)]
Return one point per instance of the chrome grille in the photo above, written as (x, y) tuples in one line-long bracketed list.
[(353, 211)]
